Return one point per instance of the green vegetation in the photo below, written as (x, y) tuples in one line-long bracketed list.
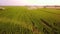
[(21, 20), (11, 28)]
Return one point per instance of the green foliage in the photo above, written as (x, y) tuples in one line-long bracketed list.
[(20, 20), (11, 28)]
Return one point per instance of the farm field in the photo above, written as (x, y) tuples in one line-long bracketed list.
[(21, 20)]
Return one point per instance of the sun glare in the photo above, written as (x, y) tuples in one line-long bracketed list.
[(29, 2)]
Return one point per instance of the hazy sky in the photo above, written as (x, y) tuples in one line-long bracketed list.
[(29, 2)]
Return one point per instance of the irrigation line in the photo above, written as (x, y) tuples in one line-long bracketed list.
[(54, 30), (47, 24)]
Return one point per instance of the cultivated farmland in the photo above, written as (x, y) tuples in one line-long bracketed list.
[(21, 20)]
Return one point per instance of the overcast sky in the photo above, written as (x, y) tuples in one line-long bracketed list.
[(29, 2)]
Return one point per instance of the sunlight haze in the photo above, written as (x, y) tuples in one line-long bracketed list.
[(29, 2)]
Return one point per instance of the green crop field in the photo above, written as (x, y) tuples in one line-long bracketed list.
[(21, 20)]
